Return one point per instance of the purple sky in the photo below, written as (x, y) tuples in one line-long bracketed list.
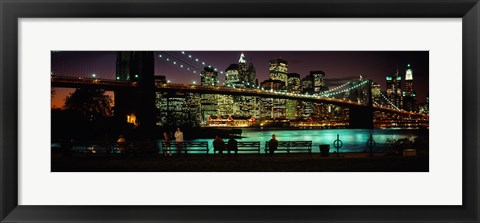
[(338, 66)]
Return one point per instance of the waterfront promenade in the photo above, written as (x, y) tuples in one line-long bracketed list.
[(346, 162)]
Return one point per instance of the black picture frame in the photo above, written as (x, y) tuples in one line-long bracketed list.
[(11, 11)]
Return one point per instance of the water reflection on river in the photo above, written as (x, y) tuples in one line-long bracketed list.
[(354, 140)]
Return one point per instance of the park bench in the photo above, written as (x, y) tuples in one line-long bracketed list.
[(249, 146), (142, 148), (243, 146), (185, 147), (291, 146)]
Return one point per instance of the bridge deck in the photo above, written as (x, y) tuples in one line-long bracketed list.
[(76, 82)]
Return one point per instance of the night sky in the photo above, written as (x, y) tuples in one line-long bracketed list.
[(339, 66)]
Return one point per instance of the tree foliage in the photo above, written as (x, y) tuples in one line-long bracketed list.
[(91, 103)]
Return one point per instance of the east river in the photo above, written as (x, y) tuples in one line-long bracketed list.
[(354, 140)]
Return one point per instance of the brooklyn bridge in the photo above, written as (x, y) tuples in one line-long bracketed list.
[(136, 94)]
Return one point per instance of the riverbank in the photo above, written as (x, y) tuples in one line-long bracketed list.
[(347, 162)]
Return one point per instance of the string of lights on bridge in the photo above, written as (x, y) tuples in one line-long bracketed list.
[(335, 88), (184, 65), (197, 60), (345, 90), (168, 58), (391, 104)]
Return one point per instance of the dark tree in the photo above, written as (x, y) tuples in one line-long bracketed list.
[(91, 103)]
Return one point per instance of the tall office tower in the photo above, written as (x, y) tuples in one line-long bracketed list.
[(293, 106), (409, 97), (394, 89), (293, 83), (318, 78), (247, 75), (208, 102), (272, 108), (408, 80), (229, 104), (376, 92), (307, 108), (248, 105), (319, 85), (251, 75), (307, 85), (232, 76), (177, 109), (279, 70), (242, 69), (208, 77)]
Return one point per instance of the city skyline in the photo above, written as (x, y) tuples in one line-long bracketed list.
[(339, 66)]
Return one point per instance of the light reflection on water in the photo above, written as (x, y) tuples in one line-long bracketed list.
[(354, 140)]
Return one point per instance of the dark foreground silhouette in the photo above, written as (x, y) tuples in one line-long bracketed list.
[(346, 162)]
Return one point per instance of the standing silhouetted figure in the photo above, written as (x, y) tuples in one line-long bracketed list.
[(179, 140)]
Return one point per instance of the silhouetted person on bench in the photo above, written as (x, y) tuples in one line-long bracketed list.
[(232, 145), (273, 144), (218, 144)]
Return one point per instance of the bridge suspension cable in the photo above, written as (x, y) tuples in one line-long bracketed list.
[(347, 89), (203, 63), (334, 89), (179, 63), (389, 102)]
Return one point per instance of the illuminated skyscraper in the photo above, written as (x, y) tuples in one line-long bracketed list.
[(242, 70), (232, 75), (376, 92), (240, 76), (228, 104), (409, 97), (251, 75), (408, 81), (208, 102), (272, 108), (246, 74), (307, 108), (279, 70), (394, 89), (177, 109), (318, 79), (209, 77), (292, 107)]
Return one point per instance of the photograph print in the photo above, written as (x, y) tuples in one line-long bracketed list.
[(239, 111)]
